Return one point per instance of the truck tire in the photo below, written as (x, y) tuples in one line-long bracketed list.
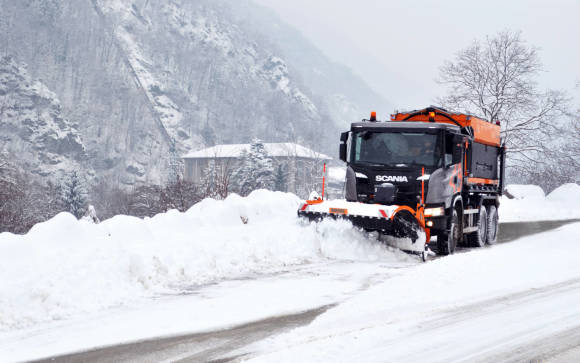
[(446, 242), (479, 237), (492, 225)]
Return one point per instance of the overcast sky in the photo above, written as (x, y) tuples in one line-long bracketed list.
[(398, 46)]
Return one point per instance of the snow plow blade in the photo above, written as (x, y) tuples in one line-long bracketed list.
[(402, 222)]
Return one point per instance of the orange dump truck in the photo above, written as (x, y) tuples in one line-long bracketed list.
[(429, 171)]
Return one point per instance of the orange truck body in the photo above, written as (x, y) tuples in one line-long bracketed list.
[(484, 132)]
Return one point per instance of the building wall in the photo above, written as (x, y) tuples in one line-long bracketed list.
[(194, 168), (304, 174)]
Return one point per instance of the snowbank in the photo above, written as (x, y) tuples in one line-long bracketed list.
[(531, 204), (63, 268), (567, 193), (522, 191)]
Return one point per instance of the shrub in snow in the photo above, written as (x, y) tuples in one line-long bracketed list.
[(215, 182), (179, 195)]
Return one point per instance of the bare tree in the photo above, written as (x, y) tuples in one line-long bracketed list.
[(180, 195), (23, 202), (145, 201), (496, 80), (216, 178)]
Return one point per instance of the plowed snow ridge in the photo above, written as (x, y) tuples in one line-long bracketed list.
[(63, 268)]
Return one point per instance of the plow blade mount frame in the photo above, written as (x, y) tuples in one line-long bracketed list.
[(391, 220)]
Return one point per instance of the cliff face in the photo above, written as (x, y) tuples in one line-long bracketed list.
[(146, 81), (33, 130)]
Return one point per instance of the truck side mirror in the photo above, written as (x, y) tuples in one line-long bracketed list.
[(457, 149), (342, 149)]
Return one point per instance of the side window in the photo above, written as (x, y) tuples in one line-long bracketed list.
[(448, 149), (357, 147)]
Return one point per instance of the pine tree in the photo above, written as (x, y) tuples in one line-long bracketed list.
[(242, 175), (256, 170), (263, 166), (74, 194)]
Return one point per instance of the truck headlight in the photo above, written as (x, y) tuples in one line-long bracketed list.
[(434, 212)]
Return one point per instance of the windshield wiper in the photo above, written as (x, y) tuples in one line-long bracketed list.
[(371, 164)]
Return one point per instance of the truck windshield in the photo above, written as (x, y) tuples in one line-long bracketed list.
[(399, 149)]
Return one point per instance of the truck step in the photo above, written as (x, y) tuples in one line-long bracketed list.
[(470, 229)]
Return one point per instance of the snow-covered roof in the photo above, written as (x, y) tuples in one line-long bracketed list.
[(283, 149)]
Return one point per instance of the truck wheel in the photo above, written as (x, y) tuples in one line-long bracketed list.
[(479, 237), (492, 225), (446, 242)]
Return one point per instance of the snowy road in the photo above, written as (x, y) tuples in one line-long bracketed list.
[(540, 320)]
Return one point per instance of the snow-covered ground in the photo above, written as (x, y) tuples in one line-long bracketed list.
[(531, 204), (201, 309), (68, 284), (459, 308)]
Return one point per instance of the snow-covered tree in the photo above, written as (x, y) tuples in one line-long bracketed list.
[(175, 165), (263, 166), (255, 171), (74, 194)]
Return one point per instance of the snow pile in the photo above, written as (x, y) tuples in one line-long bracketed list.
[(567, 193), (531, 204), (519, 191), (64, 267)]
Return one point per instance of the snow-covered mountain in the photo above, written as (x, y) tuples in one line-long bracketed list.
[(32, 127), (146, 81)]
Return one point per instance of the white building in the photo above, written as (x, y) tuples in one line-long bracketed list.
[(301, 163)]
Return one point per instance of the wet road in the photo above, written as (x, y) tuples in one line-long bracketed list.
[(211, 346), (513, 230), (202, 347)]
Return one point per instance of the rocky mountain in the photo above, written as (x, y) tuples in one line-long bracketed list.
[(145, 81), (32, 128)]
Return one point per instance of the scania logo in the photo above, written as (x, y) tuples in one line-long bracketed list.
[(392, 178)]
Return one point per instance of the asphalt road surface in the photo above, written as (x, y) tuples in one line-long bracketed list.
[(220, 346)]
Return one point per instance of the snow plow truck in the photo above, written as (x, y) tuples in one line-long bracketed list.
[(423, 173)]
